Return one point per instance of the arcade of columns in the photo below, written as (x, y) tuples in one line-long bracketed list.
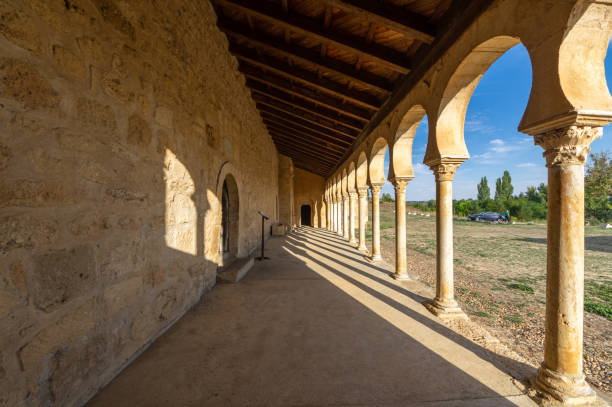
[(568, 106)]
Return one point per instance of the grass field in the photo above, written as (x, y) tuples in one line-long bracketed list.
[(500, 281)]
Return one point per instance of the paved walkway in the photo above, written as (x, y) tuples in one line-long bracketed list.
[(316, 325)]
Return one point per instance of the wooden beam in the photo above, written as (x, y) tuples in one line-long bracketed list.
[(304, 123), (304, 157), (303, 139), (301, 150), (278, 135), (308, 78), (398, 19), (312, 28), (260, 82), (305, 116), (304, 55), (320, 172), (298, 126), (291, 129), (308, 106), (461, 14)]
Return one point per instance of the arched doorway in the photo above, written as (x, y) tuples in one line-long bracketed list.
[(306, 215), (229, 219)]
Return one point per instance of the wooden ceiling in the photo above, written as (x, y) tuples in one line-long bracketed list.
[(323, 73)]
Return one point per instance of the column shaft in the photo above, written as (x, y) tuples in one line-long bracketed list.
[(339, 231), (376, 221), (363, 211), (352, 215), (561, 374), (401, 268), (444, 305), (345, 219)]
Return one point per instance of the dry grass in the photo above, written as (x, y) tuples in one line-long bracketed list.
[(500, 280)]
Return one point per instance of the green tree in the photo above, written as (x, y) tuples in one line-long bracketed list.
[(503, 187), (484, 192), (386, 197), (598, 187)]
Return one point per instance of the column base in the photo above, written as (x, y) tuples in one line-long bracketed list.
[(401, 277), (354, 242), (376, 257), (568, 389), (445, 309), (362, 249)]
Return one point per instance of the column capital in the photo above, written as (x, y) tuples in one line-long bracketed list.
[(444, 168), (568, 145), (376, 187), (362, 192), (352, 194), (400, 183)]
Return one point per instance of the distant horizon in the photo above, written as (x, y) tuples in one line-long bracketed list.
[(491, 135)]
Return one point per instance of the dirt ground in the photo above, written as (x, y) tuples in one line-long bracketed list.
[(500, 282)]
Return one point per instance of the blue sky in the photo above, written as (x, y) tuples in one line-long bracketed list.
[(495, 145)]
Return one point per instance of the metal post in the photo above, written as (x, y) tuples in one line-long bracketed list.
[(263, 220)]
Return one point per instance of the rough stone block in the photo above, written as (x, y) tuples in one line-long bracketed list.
[(113, 16), (94, 114), (19, 28), (34, 193), (123, 294), (61, 276), (68, 329), (23, 83), (69, 63), (163, 116), (139, 132), (24, 231)]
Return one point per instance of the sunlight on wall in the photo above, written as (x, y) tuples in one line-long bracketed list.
[(181, 214)]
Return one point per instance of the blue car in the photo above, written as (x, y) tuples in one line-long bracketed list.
[(491, 217)]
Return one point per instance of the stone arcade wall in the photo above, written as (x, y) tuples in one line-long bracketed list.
[(116, 118), (285, 189), (308, 190)]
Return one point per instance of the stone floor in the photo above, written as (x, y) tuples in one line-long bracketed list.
[(317, 325)]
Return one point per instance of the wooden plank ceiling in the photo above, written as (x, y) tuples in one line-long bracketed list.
[(320, 70)]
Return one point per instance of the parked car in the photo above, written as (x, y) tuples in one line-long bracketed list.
[(492, 217)]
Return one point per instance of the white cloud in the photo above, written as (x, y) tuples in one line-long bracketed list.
[(525, 165), (497, 141)]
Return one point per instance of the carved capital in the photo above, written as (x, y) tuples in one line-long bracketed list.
[(353, 195), (445, 171), (376, 189), (400, 183), (362, 192), (567, 145)]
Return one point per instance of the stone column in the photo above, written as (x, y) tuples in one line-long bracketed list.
[(339, 230), (333, 215), (444, 305), (375, 188), (352, 213), (346, 215), (561, 374), (327, 213), (401, 268), (363, 211)]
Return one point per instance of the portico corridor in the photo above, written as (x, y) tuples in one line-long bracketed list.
[(316, 325)]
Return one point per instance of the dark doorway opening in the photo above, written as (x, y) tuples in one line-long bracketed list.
[(306, 215), (225, 233), (228, 244)]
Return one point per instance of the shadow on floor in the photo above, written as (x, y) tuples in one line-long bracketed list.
[(288, 335)]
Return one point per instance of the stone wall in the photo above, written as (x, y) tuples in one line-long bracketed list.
[(285, 190), (308, 190), (118, 122)]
